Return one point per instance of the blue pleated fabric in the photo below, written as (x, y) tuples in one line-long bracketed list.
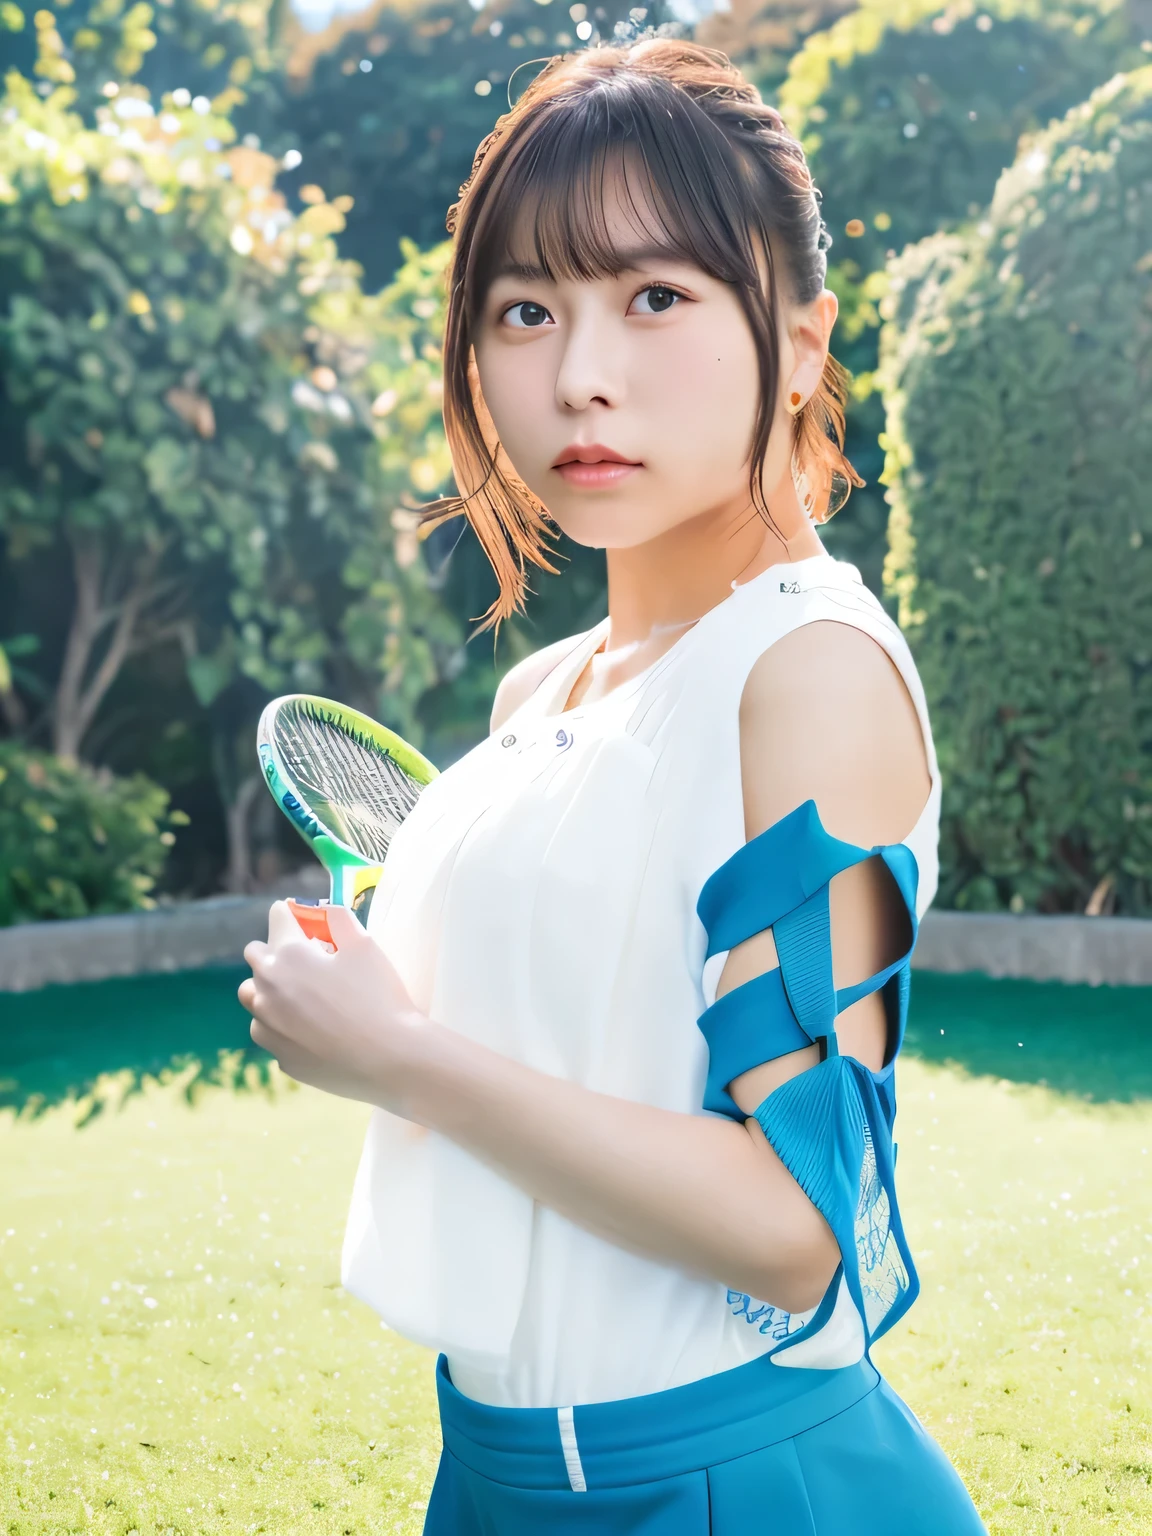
[(747, 1451), (832, 1125)]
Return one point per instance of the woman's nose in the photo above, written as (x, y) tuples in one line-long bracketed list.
[(591, 367)]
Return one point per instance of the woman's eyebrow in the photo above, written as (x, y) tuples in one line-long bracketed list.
[(625, 259)]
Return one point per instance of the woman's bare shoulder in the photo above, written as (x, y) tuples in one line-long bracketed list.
[(826, 716)]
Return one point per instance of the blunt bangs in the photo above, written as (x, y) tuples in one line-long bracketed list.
[(683, 185)]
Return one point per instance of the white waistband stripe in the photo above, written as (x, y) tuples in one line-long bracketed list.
[(571, 1450)]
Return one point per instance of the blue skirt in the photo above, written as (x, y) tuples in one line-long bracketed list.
[(761, 1450)]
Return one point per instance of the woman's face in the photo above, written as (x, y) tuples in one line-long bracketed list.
[(627, 403)]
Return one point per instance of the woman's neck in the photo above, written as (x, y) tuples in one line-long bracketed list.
[(658, 590)]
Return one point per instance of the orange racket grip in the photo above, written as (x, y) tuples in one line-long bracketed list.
[(314, 921)]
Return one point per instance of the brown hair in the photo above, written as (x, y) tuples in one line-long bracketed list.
[(731, 191)]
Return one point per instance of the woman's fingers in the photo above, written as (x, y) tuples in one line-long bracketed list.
[(345, 927), (255, 952), (267, 1039), (295, 1062), (282, 926), (246, 992)]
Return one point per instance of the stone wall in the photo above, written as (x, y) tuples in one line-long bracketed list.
[(1113, 950)]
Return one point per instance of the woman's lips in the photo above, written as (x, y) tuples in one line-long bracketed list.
[(598, 476)]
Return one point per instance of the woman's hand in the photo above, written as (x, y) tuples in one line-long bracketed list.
[(342, 1022)]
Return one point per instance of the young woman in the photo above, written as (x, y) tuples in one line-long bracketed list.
[(637, 972)]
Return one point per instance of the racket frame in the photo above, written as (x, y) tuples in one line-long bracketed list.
[(353, 876)]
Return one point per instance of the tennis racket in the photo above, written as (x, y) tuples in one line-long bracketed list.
[(345, 783)]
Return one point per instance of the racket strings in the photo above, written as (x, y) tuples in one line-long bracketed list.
[(358, 791)]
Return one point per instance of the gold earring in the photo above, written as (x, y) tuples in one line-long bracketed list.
[(795, 403)]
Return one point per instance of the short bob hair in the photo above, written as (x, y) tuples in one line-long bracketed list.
[(730, 189)]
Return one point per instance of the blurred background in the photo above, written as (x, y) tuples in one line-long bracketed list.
[(221, 260)]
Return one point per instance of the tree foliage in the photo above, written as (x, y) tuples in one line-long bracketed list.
[(1017, 373), (394, 107), (208, 414), (761, 36), (221, 50), (195, 381)]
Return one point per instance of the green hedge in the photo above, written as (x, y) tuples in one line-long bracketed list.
[(1017, 364), (909, 110), (76, 841)]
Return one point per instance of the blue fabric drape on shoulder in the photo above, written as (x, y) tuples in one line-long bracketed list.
[(831, 1126)]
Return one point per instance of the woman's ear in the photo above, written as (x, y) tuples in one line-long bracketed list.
[(830, 309), (810, 332)]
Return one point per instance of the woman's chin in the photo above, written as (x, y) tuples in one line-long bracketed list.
[(605, 521), (647, 507)]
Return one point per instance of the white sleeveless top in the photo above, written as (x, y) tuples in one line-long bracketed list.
[(541, 899)]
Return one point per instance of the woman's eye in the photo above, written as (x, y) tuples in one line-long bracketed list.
[(658, 299), (526, 316)]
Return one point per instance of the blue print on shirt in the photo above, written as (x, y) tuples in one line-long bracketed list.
[(769, 1320)]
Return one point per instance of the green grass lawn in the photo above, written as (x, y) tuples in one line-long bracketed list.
[(176, 1354)]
